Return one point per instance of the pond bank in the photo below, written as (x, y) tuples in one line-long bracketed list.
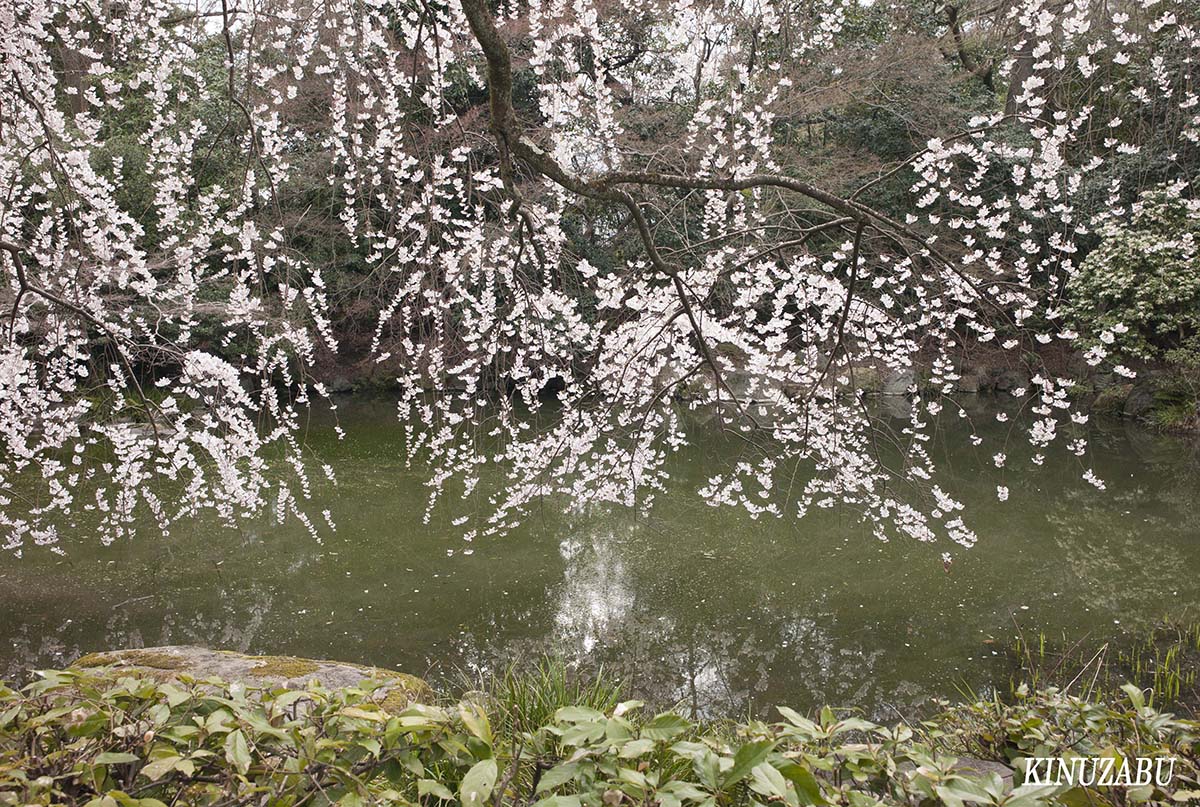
[(84, 737)]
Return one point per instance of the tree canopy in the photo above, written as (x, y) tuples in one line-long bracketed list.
[(572, 226)]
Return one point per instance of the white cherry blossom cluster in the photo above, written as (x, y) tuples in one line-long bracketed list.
[(163, 369)]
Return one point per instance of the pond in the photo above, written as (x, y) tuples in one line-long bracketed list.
[(691, 604)]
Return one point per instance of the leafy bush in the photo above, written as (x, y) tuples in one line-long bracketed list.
[(1145, 277), (88, 737)]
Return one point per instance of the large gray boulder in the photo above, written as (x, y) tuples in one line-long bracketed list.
[(291, 672), (898, 382)]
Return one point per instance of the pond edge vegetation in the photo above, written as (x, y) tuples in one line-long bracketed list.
[(111, 737)]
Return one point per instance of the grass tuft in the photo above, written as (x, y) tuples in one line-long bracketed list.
[(524, 697)]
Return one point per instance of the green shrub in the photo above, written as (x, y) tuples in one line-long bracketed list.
[(88, 737), (1144, 276)]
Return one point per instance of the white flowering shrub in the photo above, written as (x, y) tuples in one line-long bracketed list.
[(1140, 288), (165, 300)]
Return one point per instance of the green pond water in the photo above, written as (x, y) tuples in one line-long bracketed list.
[(692, 604)]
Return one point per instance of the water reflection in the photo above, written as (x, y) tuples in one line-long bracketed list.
[(706, 649), (596, 595), (696, 606)]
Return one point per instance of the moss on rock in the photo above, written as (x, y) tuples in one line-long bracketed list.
[(1111, 400), (395, 690), (283, 667), (91, 660), (409, 687), (397, 698), (152, 659)]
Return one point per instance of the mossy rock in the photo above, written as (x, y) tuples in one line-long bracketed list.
[(868, 379), (1111, 400), (1080, 390), (284, 667), (172, 661), (152, 659)]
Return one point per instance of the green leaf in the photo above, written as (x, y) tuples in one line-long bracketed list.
[(102, 801), (858, 799), (666, 726), (477, 785), (618, 730), (707, 766), (635, 748), (558, 775), (237, 751), (364, 714), (685, 790), (156, 769), (797, 720), (286, 699), (1140, 794), (1136, 696), (636, 778), (962, 790), (476, 721), (689, 749), (576, 714), (6, 717), (854, 724), (584, 733), (745, 759), (115, 758), (432, 787), (558, 801), (807, 787), (174, 695), (767, 781)]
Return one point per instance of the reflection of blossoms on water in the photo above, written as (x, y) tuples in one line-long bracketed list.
[(609, 612), (596, 595), (710, 670), (52, 644)]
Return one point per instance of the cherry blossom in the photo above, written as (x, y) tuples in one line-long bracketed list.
[(160, 365)]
